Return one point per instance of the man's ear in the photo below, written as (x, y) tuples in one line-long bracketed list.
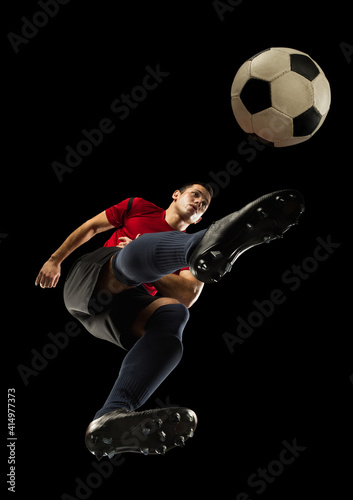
[(176, 195)]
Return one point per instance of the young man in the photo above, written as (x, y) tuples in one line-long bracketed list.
[(113, 293)]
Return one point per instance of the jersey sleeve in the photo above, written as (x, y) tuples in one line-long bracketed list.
[(116, 213)]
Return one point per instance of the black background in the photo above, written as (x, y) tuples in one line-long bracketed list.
[(292, 378)]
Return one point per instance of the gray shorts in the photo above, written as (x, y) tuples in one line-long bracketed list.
[(103, 314)]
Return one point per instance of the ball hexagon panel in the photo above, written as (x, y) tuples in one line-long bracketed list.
[(272, 125), (292, 94), (288, 50), (241, 78), (322, 94), (242, 115), (270, 64)]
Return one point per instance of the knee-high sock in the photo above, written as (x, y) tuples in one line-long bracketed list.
[(150, 361), (153, 255)]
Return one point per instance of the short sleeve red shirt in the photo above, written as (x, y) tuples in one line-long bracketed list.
[(143, 217)]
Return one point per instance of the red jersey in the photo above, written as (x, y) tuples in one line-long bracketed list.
[(143, 217)]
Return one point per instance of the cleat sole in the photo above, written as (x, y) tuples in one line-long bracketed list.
[(151, 432), (262, 221)]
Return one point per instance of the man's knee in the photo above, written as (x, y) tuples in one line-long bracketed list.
[(173, 317), (138, 327)]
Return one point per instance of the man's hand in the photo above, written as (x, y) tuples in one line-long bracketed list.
[(49, 275), (124, 240)]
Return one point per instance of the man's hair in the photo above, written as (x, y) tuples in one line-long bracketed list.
[(208, 187)]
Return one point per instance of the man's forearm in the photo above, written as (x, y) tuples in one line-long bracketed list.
[(50, 273), (177, 287), (76, 239)]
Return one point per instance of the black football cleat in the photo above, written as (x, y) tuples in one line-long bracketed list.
[(261, 221), (150, 432)]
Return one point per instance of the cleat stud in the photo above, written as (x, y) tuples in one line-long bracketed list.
[(162, 435), (191, 433), (249, 227), (203, 266), (279, 200), (228, 268), (146, 431), (111, 454), (107, 440), (145, 451), (189, 416), (176, 417), (293, 196), (161, 450), (266, 239), (179, 441), (158, 422), (262, 212), (146, 428), (302, 208)]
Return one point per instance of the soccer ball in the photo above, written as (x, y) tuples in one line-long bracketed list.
[(280, 96)]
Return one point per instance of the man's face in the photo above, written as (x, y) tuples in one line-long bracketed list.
[(192, 203)]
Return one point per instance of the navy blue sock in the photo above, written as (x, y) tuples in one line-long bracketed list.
[(153, 255), (150, 361)]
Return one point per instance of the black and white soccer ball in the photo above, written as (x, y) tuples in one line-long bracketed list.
[(280, 96)]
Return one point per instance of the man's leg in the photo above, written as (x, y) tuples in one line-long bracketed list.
[(116, 428), (153, 255), (157, 353), (209, 253), (151, 359)]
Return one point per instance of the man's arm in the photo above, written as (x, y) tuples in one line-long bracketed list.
[(49, 275), (183, 287)]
